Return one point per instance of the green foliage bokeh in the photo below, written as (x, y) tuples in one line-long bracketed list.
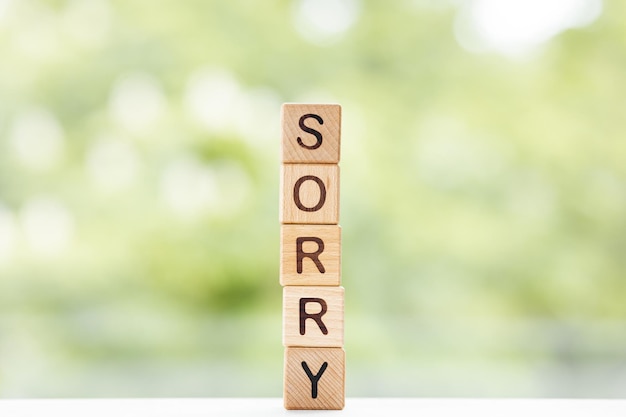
[(474, 188)]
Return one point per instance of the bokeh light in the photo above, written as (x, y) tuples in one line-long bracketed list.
[(515, 27), (37, 139), (325, 21), (48, 226)]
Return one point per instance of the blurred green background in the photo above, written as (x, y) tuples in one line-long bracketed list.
[(483, 194)]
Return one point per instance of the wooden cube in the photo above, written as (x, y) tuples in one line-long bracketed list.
[(309, 194), (314, 378), (310, 254), (313, 316), (311, 133)]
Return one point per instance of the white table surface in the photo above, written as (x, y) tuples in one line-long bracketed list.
[(422, 407)]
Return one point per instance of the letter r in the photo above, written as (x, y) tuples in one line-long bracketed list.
[(317, 317), (300, 254)]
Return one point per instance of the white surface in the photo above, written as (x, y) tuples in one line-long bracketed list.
[(274, 406)]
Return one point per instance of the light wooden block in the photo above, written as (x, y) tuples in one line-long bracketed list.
[(322, 387), (313, 316), (310, 254), (311, 133), (309, 194)]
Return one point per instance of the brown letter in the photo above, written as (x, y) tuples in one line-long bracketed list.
[(300, 254), (314, 132), (317, 316), (296, 193), (314, 378)]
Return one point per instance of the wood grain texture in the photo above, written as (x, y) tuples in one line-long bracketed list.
[(311, 133), (313, 316), (309, 194), (327, 384), (310, 254)]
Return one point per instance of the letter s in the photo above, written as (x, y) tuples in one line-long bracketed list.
[(314, 132)]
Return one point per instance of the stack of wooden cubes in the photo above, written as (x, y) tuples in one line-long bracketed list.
[(310, 257)]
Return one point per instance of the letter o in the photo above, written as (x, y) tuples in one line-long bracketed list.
[(296, 193)]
